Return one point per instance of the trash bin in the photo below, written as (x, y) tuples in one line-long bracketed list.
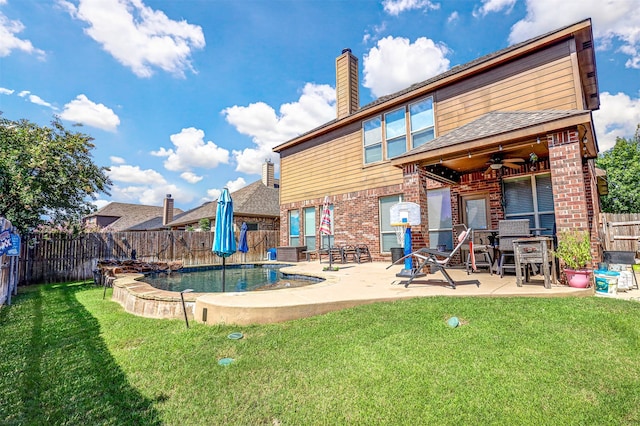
[(396, 254)]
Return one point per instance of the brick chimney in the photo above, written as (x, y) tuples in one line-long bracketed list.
[(167, 210), (268, 174), (347, 98)]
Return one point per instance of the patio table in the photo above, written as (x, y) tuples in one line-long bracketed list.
[(534, 251)]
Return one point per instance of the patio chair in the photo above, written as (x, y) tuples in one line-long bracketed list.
[(350, 251), (363, 253), (434, 259), (509, 230), (481, 252)]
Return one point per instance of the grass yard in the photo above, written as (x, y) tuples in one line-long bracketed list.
[(69, 357)]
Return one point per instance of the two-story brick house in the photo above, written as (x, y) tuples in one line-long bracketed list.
[(509, 135)]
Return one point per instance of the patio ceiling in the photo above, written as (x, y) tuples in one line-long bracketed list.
[(503, 135)]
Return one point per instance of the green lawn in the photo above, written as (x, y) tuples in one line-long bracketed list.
[(69, 357)]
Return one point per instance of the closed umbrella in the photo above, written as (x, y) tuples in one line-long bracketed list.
[(224, 240), (243, 246), (325, 224)]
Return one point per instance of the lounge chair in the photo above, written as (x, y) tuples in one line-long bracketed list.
[(436, 260)]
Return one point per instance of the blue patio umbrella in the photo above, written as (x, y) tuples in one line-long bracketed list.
[(243, 246), (224, 240)]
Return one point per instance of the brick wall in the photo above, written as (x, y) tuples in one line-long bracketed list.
[(573, 189)]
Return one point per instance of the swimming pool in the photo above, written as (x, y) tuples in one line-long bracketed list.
[(237, 278)]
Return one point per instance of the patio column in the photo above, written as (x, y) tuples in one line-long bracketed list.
[(414, 184), (571, 194)]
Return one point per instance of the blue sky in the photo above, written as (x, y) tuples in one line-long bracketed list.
[(189, 96)]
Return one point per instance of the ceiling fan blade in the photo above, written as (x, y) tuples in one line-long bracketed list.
[(513, 160), (511, 166), (488, 171)]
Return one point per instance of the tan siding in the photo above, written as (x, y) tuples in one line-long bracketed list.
[(332, 168), (550, 86)]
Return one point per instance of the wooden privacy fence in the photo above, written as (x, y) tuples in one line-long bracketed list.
[(57, 257), (621, 232)]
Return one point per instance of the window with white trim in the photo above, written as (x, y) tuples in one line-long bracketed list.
[(531, 197), (395, 126), (388, 237), (422, 127), (440, 218), (294, 228), (310, 228), (372, 140), (389, 141)]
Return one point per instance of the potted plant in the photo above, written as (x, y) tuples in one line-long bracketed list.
[(574, 250)]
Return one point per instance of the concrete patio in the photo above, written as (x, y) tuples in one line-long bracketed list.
[(356, 284)]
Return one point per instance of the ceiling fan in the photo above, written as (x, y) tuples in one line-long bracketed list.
[(497, 162)]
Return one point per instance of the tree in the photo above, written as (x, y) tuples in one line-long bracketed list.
[(205, 224), (47, 174), (622, 164)]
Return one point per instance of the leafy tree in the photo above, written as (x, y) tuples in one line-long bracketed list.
[(205, 224), (622, 164), (47, 174)]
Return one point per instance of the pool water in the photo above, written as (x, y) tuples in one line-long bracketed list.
[(236, 278)]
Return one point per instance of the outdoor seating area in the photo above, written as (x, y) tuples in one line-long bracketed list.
[(356, 253)]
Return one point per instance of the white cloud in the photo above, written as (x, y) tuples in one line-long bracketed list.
[(39, 101), (619, 116), (612, 20), (84, 111), (191, 151), (212, 194), (138, 36), (315, 106), (396, 7), (453, 17), (489, 6), (117, 160), (4, 91), (9, 40), (151, 195), (133, 174), (395, 63), (35, 99), (234, 185), (191, 177), (100, 203)]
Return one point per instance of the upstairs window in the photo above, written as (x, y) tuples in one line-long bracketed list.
[(372, 140), (396, 133), (421, 116), (389, 141)]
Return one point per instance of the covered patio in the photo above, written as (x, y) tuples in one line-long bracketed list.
[(534, 165)]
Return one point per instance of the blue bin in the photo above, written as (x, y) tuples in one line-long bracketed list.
[(271, 254)]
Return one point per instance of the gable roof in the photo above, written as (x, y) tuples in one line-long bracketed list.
[(255, 199), (132, 216), (580, 30)]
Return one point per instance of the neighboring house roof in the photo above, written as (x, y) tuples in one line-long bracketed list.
[(255, 199), (492, 124), (132, 217)]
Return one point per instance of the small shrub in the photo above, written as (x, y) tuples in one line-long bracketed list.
[(574, 249)]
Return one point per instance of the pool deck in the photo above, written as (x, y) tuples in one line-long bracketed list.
[(357, 284), (352, 285)]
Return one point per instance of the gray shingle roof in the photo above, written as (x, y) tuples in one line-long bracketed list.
[(133, 216), (492, 124), (255, 199)]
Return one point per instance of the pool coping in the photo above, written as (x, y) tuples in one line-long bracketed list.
[(142, 299)]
